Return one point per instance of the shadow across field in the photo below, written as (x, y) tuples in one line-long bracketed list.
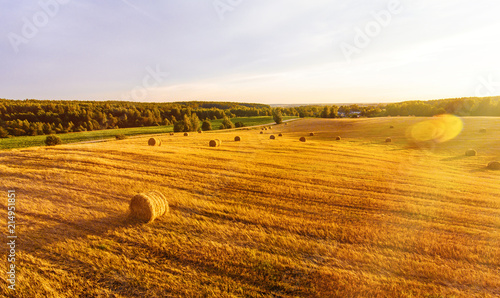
[(482, 170), (57, 230), (455, 158), (49, 242)]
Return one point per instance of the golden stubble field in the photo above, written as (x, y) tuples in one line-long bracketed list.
[(262, 218)]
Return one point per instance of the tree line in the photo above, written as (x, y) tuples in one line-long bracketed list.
[(470, 106), (39, 117)]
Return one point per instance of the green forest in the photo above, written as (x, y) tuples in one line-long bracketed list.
[(43, 117), (36, 117), (471, 106)]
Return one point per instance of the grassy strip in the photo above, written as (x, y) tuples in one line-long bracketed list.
[(248, 121), (33, 141)]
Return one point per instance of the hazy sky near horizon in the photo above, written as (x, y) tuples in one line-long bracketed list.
[(281, 51)]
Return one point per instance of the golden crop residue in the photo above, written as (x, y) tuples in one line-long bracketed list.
[(439, 129), (262, 217)]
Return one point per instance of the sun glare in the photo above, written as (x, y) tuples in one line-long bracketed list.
[(440, 129)]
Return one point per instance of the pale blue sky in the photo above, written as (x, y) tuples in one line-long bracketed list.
[(278, 51)]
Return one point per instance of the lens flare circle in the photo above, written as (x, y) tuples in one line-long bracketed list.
[(440, 129)]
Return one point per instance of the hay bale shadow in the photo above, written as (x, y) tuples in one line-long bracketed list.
[(455, 158), (480, 170), (424, 145), (64, 230), (493, 165)]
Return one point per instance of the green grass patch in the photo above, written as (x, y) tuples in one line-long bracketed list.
[(249, 121), (75, 137)]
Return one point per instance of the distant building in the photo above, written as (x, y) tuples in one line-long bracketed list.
[(353, 114)]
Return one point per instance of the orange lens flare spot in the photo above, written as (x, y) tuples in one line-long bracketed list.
[(440, 129)]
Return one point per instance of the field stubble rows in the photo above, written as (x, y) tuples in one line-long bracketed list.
[(322, 219)]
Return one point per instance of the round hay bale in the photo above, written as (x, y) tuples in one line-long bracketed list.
[(265, 128), (280, 135), (494, 165), (261, 132), (215, 143), (302, 139), (154, 142), (272, 137), (270, 127), (237, 139), (392, 126), (286, 123), (171, 133), (186, 134), (470, 152), (199, 131), (482, 130), (146, 207), (388, 140), (338, 138), (311, 134)]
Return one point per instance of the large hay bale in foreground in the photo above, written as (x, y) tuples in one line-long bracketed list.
[(494, 165), (272, 137), (237, 139), (302, 139), (388, 140), (214, 143), (338, 138), (311, 134), (470, 152), (146, 207), (154, 142)]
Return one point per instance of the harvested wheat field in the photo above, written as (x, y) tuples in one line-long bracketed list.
[(260, 218)]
